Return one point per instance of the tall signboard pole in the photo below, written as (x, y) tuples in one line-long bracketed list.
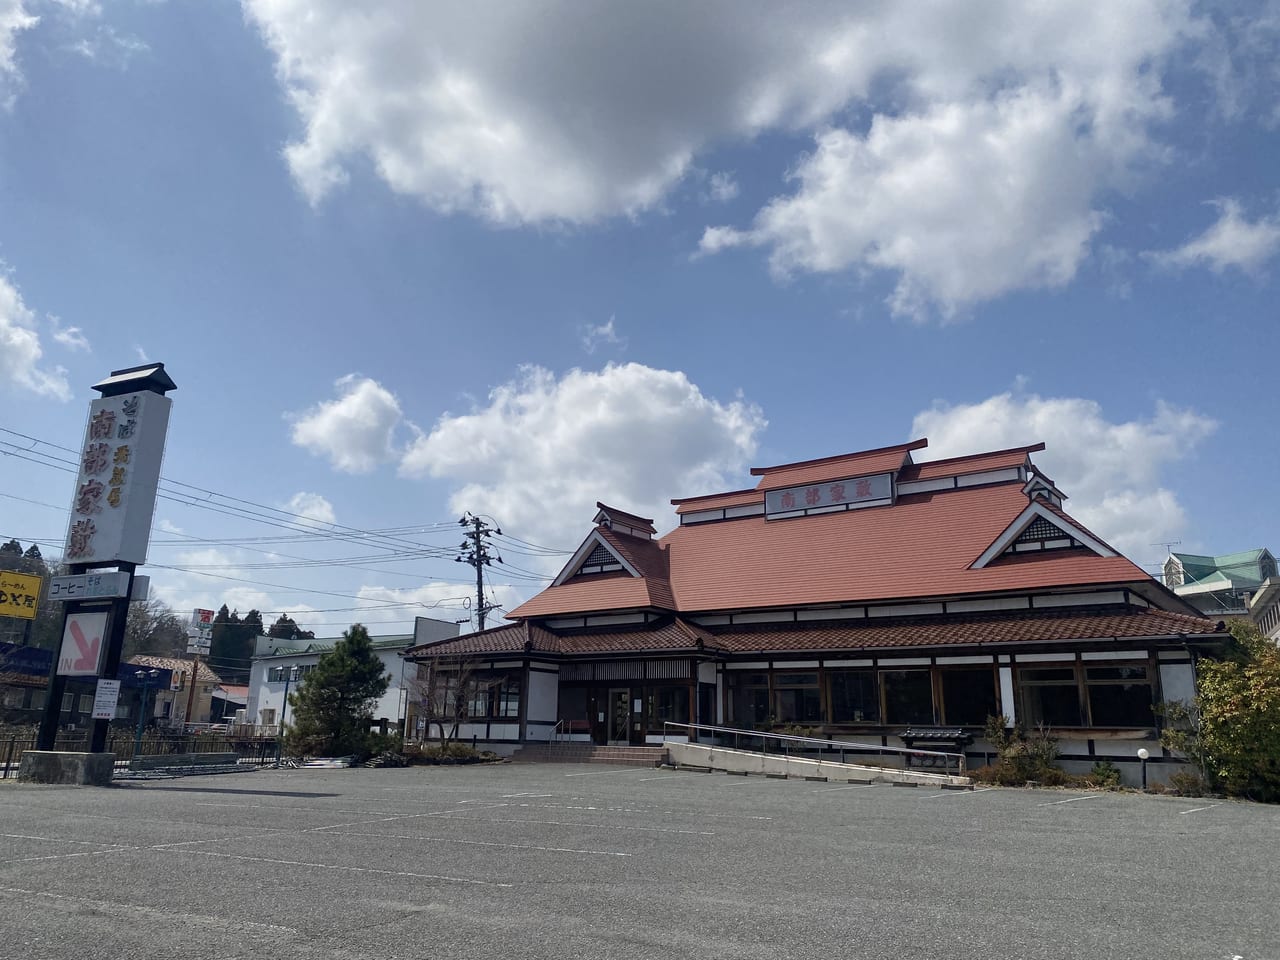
[(110, 526)]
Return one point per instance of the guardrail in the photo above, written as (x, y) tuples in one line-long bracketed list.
[(124, 746), (786, 742)]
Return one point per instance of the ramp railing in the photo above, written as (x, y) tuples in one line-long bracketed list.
[(789, 745)]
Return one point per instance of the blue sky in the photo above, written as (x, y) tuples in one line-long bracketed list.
[(405, 261)]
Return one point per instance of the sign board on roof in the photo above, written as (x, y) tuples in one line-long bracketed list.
[(115, 491), (81, 650), (829, 495), (19, 595), (202, 619)]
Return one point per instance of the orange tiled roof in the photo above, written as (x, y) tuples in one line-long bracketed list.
[(674, 636), (991, 628), (959, 466), (923, 546), (865, 463), (716, 501)]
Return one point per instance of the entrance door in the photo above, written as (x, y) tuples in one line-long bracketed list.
[(620, 715)]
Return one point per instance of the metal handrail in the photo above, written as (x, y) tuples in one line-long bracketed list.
[(828, 744)]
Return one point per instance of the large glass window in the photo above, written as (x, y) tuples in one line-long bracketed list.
[(908, 696), (854, 698), (667, 703), (797, 698), (750, 699), (968, 695), (1050, 696), (1120, 696)]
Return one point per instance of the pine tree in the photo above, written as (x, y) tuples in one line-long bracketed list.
[(332, 709)]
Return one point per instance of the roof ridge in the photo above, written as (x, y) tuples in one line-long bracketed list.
[(904, 447), (1029, 449)]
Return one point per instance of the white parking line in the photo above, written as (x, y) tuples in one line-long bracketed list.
[(1183, 813), (582, 825), (487, 843), (599, 773), (1054, 803), (333, 866), (958, 793)]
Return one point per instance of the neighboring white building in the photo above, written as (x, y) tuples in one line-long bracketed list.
[(283, 664), (1264, 608)]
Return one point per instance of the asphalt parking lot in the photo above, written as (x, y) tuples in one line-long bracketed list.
[(558, 861)]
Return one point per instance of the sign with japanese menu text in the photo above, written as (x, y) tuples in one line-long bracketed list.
[(115, 490)]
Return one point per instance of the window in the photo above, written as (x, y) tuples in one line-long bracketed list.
[(908, 696), (667, 703), (854, 698), (268, 716), (750, 699), (1112, 695), (506, 698), (968, 695), (797, 698), (1050, 696), (275, 675), (1119, 695)]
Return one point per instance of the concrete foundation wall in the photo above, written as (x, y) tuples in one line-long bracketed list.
[(56, 766)]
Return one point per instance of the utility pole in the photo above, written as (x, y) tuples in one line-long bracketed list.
[(475, 551)]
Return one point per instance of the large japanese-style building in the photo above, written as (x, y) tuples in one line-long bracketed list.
[(857, 597)]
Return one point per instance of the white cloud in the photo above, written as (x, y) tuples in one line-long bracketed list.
[(1008, 208), (20, 349), (72, 338), (1112, 471), (14, 18), (723, 187), (108, 47), (544, 450), (356, 431), (964, 149), (312, 507), (593, 337), (1232, 241)]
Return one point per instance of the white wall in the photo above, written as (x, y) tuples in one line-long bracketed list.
[(266, 695)]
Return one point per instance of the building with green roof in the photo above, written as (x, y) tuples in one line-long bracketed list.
[(1221, 585)]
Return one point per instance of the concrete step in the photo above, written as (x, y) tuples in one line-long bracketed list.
[(648, 756)]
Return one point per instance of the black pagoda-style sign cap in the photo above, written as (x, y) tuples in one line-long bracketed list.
[(149, 376)]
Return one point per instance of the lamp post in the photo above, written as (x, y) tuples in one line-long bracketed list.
[(144, 677), (290, 677), (1143, 754)]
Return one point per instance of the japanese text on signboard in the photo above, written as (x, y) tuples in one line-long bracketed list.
[(829, 494), (119, 469), (19, 595)]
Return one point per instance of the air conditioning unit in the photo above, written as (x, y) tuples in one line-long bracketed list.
[(242, 716)]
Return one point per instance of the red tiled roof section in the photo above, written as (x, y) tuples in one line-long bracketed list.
[(673, 635), (650, 559), (959, 466), (630, 519), (508, 638), (883, 460), (175, 664), (718, 501), (923, 546), (1028, 627)]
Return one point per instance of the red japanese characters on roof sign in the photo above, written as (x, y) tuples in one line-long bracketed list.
[(834, 493), (115, 492)]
